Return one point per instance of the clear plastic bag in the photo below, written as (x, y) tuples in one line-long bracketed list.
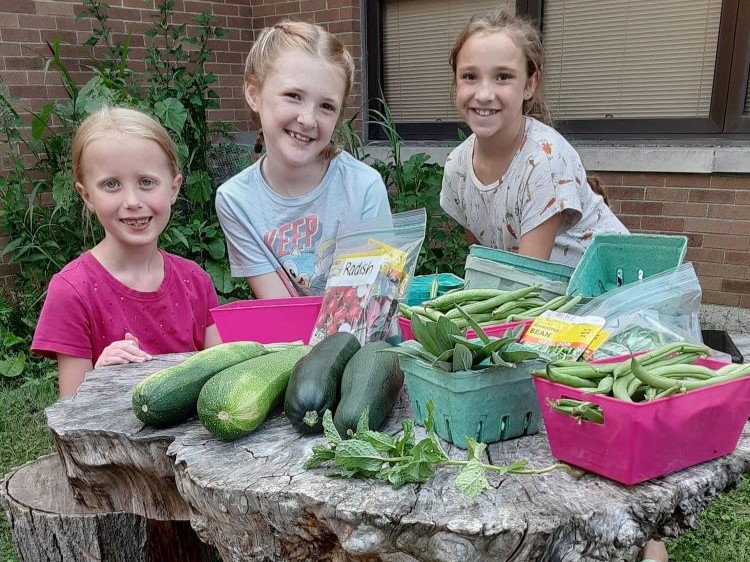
[(371, 270), (648, 313)]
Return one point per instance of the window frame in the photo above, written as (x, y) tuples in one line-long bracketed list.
[(725, 118)]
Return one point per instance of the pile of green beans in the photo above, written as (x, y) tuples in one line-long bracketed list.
[(664, 371), (490, 306)]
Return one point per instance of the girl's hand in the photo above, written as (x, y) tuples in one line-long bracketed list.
[(121, 352)]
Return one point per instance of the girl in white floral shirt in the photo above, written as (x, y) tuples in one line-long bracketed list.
[(516, 183)]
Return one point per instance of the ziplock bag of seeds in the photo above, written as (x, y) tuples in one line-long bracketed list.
[(372, 267), (646, 314)]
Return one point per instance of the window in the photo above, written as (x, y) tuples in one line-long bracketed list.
[(614, 67)]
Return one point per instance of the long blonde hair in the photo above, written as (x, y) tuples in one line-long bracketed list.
[(123, 120), (526, 37), (309, 38)]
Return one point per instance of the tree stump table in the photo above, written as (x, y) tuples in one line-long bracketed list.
[(254, 501)]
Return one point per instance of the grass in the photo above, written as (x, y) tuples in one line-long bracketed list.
[(23, 437), (721, 535)]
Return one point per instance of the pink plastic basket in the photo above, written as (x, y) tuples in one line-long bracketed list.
[(496, 330), (643, 440), (267, 320)]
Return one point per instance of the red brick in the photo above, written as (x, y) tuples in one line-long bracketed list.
[(641, 208), (708, 226), (694, 240), (704, 255), (725, 271), (741, 228), (726, 299), (687, 180), (288, 8), (56, 7), (663, 224), (726, 242), (738, 258), (626, 193), (643, 179), (23, 63), (608, 178), (742, 198), (312, 5), (10, 35), (736, 286), (630, 222), (745, 301), (686, 209), (734, 212), (18, 6), (710, 284), (711, 195), (731, 182), (327, 15), (666, 194)]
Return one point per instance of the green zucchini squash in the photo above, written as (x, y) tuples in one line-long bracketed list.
[(372, 379), (316, 378), (237, 400), (169, 396)]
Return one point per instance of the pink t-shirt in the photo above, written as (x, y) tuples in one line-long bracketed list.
[(86, 309)]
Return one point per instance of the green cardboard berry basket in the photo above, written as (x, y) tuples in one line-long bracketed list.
[(488, 405), (543, 268), (419, 288), (613, 260)]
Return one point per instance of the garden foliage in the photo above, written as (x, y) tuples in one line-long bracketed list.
[(43, 217)]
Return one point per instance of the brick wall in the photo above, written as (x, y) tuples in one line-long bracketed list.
[(713, 211), (26, 26)]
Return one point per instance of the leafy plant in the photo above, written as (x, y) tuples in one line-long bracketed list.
[(41, 213), (403, 460), (445, 346), (416, 182)]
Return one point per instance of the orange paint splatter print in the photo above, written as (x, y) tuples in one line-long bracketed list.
[(550, 203), (586, 235), (547, 148), (564, 181), (511, 231)]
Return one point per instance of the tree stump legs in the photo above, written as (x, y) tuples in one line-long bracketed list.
[(50, 525)]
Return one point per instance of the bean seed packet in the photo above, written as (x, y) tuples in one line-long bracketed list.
[(372, 267)]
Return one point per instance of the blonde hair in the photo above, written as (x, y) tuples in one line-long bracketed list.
[(124, 120), (526, 37), (312, 39)]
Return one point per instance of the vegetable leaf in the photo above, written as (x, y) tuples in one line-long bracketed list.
[(329, 429), (462, 358), (471, 481), (358, 455)]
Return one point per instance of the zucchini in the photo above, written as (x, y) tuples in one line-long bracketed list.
[(373, 380), (237, 400), (314, 386), (170, 395)]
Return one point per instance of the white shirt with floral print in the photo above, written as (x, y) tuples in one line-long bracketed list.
[(545, 177)]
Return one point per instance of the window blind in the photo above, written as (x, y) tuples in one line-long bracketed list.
[(417, 39), (630, 58), (747, 97)]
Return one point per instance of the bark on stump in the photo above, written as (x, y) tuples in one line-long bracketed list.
[(50, 525)]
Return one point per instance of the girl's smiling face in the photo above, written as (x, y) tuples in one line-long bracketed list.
[(492, 84), (128, 182), (299, 105)]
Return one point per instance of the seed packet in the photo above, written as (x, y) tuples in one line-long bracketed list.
[(370, 274), (559, 335)]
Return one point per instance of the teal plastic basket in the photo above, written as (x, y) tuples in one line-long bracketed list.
[(489, 405), (547, 269), (481, 273), (613, 260), (419, 288)]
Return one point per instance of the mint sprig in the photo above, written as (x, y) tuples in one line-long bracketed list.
[(403, 460)]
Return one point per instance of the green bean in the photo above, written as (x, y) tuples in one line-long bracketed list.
[(449, 300), (682, 371), (620, 387), (404, 310), (492, 303), (433, 315), (570, 380), (604, 386), (664, 383), (585, 371), (570, 303)]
